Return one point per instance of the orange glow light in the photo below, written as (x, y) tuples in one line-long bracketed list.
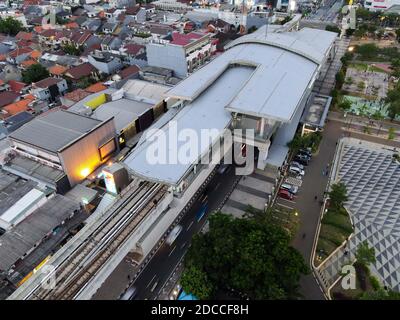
[(85, 172)]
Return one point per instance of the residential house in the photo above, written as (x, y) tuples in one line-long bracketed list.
[(64, 15), (8, 97), (104, 62), (57, 70), (18, 87), (182, 53), (150, 9), (84, 70), (111, 43), (79, 38), (49, 89), (134, 54), (92, 25), (64, 60), (26, 36), (54, 39), (70, 98), (219, 25), (137, 13), (109, 27), (18, 55), (4, 86), (16, 107), (121, 3), (131, 72), (14, 122)]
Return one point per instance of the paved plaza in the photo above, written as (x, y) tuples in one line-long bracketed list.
[(255, 190), (375, 83), (372, 179)]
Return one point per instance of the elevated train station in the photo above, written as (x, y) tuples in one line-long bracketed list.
[(262, 82)]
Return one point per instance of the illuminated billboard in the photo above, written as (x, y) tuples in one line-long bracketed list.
[(109, 182)]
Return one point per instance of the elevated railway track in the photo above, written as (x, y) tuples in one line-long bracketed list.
[(79, 261)]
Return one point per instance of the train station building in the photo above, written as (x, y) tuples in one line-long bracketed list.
[(262, 82)]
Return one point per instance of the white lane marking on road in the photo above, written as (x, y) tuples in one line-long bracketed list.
[(189, 226), (150, 281), (169, 254), (286, 200), (285, 206), (217, 186), (183, 245)]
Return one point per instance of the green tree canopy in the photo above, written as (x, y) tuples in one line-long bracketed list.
[(365, 255), (332, 28), (34, 73), (381, 294), (393, 101), (195, 281), (345, 104), (338, 195), (72, 50), (367, 51), (247, 255), (10, 26), (398, 34)]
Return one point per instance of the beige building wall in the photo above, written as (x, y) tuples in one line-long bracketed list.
[(81, 158)]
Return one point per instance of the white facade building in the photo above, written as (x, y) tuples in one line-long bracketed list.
[(379, 5)]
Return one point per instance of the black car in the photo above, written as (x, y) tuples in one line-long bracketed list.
[(302, 160), (305, 152), (304, 156)]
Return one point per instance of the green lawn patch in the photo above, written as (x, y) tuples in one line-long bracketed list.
[(336, 227)]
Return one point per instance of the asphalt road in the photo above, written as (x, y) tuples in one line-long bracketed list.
[(153, 277), (328, 11)]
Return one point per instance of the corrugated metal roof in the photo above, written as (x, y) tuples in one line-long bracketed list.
[(11, 215), (151, 92), (15, 243), (55, 130), (123, 110), (206, 112), (285, 66), (263, 78)]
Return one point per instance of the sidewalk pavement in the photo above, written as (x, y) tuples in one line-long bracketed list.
[(357, 124)]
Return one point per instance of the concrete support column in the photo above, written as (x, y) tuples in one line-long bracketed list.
[(262, 127), (262, 156)]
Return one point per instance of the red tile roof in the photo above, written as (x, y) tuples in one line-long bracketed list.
[(8, 97), (17, 52), (72, 25), (129, 71), (36, 54), (132, 10), (45, 83), (96, 87), (27, 63), (57, 70), (22, 35), (133, 49), (80, 37), (181, 39), (16, 86), (78, 72), (17, 107), (77, 95)]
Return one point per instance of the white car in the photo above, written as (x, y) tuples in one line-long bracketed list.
[(296, 170), (296, 164), (173, 234), (289, 187)]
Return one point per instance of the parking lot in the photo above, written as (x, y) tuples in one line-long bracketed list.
[(291, 185)]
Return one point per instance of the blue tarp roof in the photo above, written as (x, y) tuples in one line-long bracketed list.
[(186, 296)]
